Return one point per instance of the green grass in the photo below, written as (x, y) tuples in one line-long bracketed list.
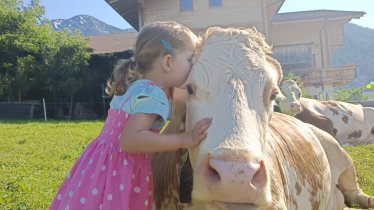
[(363, 158), (35, 156)]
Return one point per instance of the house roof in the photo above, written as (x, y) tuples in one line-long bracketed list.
[(112, 43), (128, 9), (314, 15)]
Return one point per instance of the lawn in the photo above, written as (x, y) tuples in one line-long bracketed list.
[(35, 157)]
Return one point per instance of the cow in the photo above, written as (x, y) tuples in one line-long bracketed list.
[(251, 158), (348, 123)]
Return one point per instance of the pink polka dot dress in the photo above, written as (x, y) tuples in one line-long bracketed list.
[(104, 176)]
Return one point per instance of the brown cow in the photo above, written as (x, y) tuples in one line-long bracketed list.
[(252, 158), (348, 123)]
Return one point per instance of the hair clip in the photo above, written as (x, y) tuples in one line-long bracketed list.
[(166, 45)]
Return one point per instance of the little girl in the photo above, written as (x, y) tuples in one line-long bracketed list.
[(114, 171)]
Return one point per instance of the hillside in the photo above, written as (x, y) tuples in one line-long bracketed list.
[(358, 48), (87, 25)]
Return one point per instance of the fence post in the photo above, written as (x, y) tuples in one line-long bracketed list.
[(32, 111), (45, 110)]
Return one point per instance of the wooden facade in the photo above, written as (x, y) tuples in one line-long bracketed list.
[(237, 13), (303, 41)]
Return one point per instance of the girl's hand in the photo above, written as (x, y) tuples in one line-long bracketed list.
[(197, 134)]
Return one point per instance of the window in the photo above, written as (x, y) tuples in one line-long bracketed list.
[(215, 3), (298, 56), (185, 5)]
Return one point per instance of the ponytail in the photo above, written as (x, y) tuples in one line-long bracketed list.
[(123, 75)]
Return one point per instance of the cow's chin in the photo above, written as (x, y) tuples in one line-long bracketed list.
[(296, 111), (292, 111), (235, 206)]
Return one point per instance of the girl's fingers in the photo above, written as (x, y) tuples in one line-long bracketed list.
[(203, 126), (203, 122), (201, 137), (200, 129)]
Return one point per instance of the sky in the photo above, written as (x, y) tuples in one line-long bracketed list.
[(65, 9)]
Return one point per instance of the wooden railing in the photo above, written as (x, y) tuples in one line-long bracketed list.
[(337, 76)]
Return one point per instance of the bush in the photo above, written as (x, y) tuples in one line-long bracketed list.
[(299, 83), (350, 94)]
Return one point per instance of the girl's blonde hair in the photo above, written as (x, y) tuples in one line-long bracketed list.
[(155, 40)]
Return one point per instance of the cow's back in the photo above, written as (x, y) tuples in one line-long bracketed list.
[(300, 170), (310, 115), (348, 123)]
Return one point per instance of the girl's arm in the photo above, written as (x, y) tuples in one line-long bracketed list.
[(136, 136)]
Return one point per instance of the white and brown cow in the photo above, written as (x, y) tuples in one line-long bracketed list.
[(348, 123), (251, 158)]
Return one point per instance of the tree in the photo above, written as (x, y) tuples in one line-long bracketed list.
[(350, 94), (33, 58), (69, 58), (19, 45)]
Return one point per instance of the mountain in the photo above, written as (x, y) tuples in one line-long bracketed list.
[(87, 25), (358, 48)]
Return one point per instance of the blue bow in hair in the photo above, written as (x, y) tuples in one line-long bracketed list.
[(166, 44)]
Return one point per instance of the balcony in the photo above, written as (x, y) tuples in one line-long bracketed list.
[(295, 58), (334, 76)]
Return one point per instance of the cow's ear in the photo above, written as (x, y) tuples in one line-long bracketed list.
[(178, 115), (277, 67)]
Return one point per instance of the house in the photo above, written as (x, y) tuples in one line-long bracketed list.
[(303, 41)]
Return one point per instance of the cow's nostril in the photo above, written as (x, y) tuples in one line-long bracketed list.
[(295, 105), (258, 180), (213, 174)]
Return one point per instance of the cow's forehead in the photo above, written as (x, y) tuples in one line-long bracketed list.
[(289, 87), (295, 89), (230, 61)]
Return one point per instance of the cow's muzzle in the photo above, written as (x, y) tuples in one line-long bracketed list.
[(235, 176)]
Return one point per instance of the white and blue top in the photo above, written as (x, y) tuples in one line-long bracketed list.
[(143, 96)]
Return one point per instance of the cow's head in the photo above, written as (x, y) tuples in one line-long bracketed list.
[(290, 104), (235, 82)]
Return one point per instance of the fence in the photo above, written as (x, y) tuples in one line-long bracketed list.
[(64, 110), (19, 110), (79, 110)]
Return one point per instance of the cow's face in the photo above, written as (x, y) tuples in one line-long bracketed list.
[(234, 82), (290, 104)]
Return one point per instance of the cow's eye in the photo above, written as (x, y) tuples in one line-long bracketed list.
[(273, 96), (190, 89)]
